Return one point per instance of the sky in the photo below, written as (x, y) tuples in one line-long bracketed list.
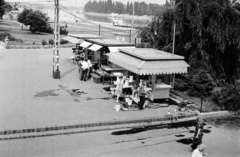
[(81, 3)]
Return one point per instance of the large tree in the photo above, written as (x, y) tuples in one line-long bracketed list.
[(37, 20), (2, 9), (207, 34)]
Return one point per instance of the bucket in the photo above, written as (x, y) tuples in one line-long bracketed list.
[(130, 78), (118, 107), (130, 102), (112, 91)]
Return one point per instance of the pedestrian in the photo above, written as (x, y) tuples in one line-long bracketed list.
[(79, 65), (198, 152), (89, 68), (119, 87), (141, 95), (84, 70)]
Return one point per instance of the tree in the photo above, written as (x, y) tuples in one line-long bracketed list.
[(22, 16), (207, 34), (37, 20), (2, 9)]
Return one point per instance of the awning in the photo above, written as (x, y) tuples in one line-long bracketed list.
[(85, 44), (95, 47), (115, 49), (73, 40), (142, 67)]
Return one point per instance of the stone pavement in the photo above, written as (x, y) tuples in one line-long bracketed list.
[(32, 101)]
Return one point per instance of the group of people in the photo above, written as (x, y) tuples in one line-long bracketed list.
[(84, 69), (84, 65), (138, 93)]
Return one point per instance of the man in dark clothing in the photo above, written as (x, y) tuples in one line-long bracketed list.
[(141, 95)]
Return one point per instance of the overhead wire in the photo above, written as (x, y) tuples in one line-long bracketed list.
[(69, 12)]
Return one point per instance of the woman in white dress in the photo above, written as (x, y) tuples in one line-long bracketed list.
[(119, 87)]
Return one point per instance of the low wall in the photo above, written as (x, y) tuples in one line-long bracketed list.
[(38, 46)]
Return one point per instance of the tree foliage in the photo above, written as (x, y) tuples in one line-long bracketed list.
[(22, 16), (2, 9), (140, 8), (207, 34), (37, 20), (228, 97)]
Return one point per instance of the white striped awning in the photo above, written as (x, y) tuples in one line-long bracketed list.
[(148, 67), (85, 44), (95, 47), (116, 49), (73, 40)]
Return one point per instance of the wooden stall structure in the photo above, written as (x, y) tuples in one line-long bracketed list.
[(79, 39), (97, 51), (151, 65)]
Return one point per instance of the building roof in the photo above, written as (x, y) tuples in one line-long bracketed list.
[(152, 66), (109, 42), (150, 54)]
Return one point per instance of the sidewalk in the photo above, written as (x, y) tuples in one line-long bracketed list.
[(32, 100)]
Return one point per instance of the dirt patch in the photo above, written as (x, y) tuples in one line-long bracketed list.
[(46, 93)]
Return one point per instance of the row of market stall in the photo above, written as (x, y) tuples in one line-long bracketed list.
[(115, 57)]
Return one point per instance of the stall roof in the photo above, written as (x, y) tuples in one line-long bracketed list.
[(73, 40), (85, 44), (150, 54), (95, 47), (109, 42), (85, 36), (148, 67), (116, 49)]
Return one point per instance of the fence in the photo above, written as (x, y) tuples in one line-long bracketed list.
[(106, 31)]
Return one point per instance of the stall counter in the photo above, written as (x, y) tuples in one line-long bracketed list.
[(160, 91)]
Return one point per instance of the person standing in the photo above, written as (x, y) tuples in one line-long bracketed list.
[(119, 87), (89, 68), (141, 95), (79, 65), (84, 70)]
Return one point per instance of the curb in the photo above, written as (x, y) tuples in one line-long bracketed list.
[(164, 121), (161, 122), (214, 115)]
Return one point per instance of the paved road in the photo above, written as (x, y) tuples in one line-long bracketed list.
[(153, 143)]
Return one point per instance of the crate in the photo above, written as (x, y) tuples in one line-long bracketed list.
[(96, 78)]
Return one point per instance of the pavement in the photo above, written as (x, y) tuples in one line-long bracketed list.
[(31, 99)]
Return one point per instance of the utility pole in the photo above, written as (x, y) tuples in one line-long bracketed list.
[(56, 57), (174, 32), (133, 14), (75, 12)]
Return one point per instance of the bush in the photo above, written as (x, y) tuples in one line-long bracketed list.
[(180, 85), (48, 29), (10, 37), (63, 41), (44, 42), (63, 31), (51, 42), (228, 97)]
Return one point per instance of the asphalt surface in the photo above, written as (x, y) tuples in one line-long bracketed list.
[(220, 142), (31, 98)]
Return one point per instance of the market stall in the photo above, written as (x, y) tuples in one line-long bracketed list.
[(100, 47), (151, 65), (79, 40), (96, 53)]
